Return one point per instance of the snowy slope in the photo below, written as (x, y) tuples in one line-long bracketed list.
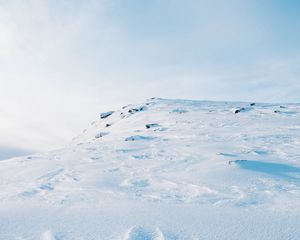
[(164, 169)]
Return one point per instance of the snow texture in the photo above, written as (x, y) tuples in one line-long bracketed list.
[(164, 169)]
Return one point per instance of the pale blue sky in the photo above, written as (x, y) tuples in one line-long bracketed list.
[(62, 62)]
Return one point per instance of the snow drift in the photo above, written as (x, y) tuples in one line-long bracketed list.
[(163, 169)]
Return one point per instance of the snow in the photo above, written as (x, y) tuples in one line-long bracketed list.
[(199, 171)]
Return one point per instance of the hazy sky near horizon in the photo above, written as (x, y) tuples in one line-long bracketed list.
[(63, 62)]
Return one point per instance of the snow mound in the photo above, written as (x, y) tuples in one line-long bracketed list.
[(139, 233), (176, 164)]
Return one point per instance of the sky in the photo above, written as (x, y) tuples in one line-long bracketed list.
[(63, 62)]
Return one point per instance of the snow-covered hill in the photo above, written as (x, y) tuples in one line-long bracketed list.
[(164, 169)]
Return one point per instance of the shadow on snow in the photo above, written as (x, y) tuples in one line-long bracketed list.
[(276, 169)]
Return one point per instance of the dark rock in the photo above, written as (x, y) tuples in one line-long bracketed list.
[(137, 109), (252, 104), (239, 110), (106, 114), (151, 125)]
